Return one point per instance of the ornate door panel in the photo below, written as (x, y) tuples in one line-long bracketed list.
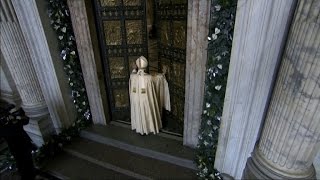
[(122, 34), (171, 22)]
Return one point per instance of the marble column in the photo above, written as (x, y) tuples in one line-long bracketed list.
[(8, 90), (290, 138), (42, 46), (260, 31), (18, 62), (82, 32), (196, 58)]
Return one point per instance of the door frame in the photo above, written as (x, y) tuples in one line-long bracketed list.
[(196, 58)]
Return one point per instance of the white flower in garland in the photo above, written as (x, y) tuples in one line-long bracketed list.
[(56, 27), (63, 54), (219, 66), (64, 29), (217, 7), (218, 58), (224, 53), (200, 137), (60, 37), (215, 34), (205, 143), (209, 123), (218, 87), (205, 170), (208, 105), (87, 115), (216, 30), (73, 53), (210, 134), (205, 112), (212, 176), (218, 118)]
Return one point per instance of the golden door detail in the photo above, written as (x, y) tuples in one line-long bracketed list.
[(122, 32)]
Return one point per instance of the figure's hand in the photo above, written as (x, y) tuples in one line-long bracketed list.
[(164, 69)]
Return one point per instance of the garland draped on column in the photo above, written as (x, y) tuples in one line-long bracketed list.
[(60, 20), (219, 50)]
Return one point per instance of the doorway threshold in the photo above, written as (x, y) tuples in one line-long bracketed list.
[(162, 146), (162, 133)]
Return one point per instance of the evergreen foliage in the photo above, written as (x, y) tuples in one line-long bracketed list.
[(59, 14), (219, 50)]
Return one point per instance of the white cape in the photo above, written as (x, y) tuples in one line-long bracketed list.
[(145, 114), (162, 91)]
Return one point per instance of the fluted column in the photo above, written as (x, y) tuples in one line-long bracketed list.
[(261, 28), (18, 61), (290, 136), (42, 45)]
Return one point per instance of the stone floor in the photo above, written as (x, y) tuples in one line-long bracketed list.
[(112, 152), (14, 175)]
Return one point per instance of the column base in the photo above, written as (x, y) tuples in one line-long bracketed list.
[(256, 169), (40, 126)]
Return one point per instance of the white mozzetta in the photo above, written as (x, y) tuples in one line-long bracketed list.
[(290, 136), (86, 54), (259, 35), (32, 29), (197, 43)]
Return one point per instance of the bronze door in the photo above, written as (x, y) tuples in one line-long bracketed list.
[(171, 23), (122, 33), (122, 30)]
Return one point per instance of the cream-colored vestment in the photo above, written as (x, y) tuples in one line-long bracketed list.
[(145, 113), (162, 92)]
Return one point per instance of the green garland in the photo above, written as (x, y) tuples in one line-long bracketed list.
[(219, 51), (59, 14)]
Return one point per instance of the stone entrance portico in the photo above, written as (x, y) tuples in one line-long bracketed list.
[(272, 94)]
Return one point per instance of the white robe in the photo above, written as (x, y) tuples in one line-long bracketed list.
[(162, 91), (145, 114)]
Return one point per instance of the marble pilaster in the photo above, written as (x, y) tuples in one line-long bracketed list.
[(196, 58), (260, 31), (80, 23), (18, 62), (291, 133)]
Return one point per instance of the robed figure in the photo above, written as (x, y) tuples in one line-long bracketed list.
[(145, 112)]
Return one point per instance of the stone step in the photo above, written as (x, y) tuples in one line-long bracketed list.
[(125, 162), (66, 166), (162, 147)]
